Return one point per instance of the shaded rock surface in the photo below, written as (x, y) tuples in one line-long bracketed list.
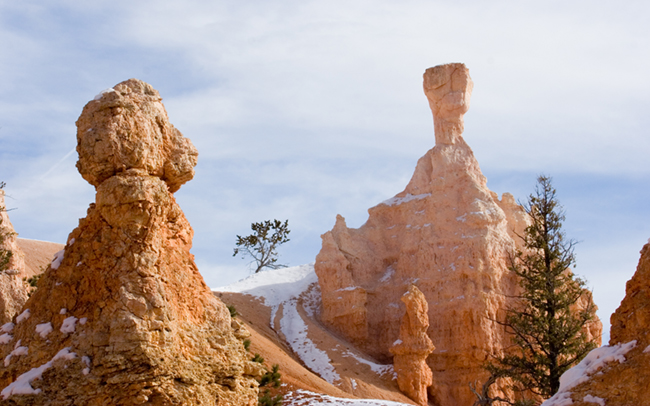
[(123, 316), (413, 347), (447, 233), (13, 291)]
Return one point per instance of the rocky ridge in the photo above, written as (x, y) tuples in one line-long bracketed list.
[(112, 321)]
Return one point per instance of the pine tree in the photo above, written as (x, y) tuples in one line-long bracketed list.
[(547, 320), (262, 245)]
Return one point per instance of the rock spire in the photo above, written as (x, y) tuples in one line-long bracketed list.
[(413, 347), (122, 316), (446, 232)]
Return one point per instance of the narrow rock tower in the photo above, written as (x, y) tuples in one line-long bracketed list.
[(122, 316), (413, 347)]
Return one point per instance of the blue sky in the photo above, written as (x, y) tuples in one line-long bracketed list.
[(304, 109)]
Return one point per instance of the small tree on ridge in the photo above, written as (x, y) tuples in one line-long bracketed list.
[(262, 244)]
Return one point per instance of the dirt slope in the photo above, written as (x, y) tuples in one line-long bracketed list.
[(357, 378), (38, 254)]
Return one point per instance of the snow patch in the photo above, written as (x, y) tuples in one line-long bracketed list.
[(395, 201), (58, 257), (276, 286), (63, 310), (376, 368), (83, 320), (6, 338), (594, 399), (22, 384), (102, 93), (7, 327), (18, 351), (390, 271), (295, 330), (69, 325), (44, 329), (647, 349), (23, 316)]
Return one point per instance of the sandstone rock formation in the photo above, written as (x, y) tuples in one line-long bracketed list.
[(413, 347), (448, 233), (623, 380), (13, 291), (122, 316)]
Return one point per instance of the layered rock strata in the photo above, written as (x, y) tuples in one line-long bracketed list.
[(448, 233), (13, 290), (122, 316), (413, 347)]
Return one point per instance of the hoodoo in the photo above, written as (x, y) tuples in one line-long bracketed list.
[(122, 316), (447, 234)]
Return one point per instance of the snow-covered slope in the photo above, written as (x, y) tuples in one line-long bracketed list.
[(293, 296)]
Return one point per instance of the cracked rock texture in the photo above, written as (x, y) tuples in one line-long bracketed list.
[(448, 234), (124, 307)]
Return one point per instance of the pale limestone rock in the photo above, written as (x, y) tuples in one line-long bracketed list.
[(13, 291), (413, 347), (142, 324), (448, 233)]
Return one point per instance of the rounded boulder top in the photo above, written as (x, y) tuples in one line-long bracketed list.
[(126, 127)]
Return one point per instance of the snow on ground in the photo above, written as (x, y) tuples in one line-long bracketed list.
[(283, 287), (295, 330), (307, 398), (592, 363), (379, 369), (396, 201)]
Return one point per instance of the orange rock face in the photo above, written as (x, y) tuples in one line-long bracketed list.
[(413, 347), (623, 381), (123, 316), (631, 321), (448, 234), (13, 291)]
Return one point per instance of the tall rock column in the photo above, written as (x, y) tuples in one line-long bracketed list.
[(122, 316), (413, 347)]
